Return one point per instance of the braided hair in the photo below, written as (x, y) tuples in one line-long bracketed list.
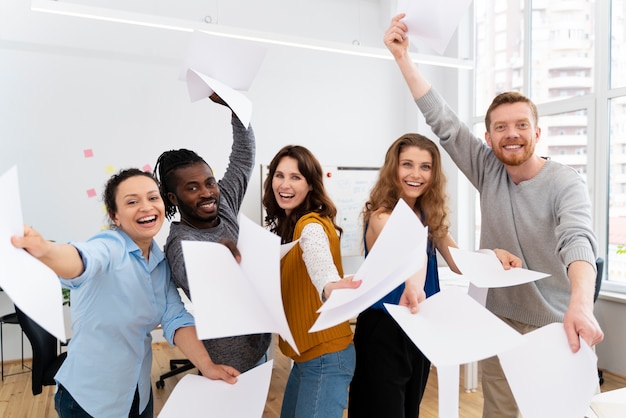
[(166, 165)]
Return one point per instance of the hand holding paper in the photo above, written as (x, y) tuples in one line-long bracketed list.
[(30, 284), (194, 396), (397, 255), (237, 299)]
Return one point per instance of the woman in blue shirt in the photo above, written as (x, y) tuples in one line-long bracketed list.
[(121, 291)]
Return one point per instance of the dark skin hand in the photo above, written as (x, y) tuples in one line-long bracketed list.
[(232, 246), (217, 99)]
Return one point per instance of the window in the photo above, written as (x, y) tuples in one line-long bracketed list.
[(582, 110)]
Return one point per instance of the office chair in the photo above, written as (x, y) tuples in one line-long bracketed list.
[(46, 360), (600, 268), (10, 319), (177, 366)]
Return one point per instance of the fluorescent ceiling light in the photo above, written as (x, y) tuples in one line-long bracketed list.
[(161, 22)]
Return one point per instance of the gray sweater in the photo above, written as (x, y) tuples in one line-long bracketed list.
[(546, 221), (241, 352)]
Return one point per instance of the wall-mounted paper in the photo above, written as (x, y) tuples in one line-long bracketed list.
[(546, 378), (398, 253), (31, 285), (198, 397), (237, 299)]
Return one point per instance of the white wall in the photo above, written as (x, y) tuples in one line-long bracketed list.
[(71, 84)]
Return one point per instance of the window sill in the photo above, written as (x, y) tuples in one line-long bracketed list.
[(612, 296)]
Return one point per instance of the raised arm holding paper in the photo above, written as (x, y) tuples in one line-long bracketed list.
[(531, 206), (208, 212)]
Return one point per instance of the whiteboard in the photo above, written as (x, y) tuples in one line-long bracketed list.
[(349, 189)]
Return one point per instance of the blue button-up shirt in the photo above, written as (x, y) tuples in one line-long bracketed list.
[(117, 301)]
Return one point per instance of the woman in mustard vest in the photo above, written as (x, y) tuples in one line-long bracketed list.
[(298, 208)]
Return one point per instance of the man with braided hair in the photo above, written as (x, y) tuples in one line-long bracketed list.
[(208, 212)]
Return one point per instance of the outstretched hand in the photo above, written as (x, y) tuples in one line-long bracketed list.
[(221, 372), (412, 296), (33, 242), (347, 282), (507, 259)]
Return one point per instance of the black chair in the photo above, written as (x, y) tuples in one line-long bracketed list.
[(46, 360), (177, 366), (10, 319), (600, 268)]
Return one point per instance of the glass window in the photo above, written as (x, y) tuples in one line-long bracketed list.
[(562, 50), (499, 49), (563, 139), (618, 45), (616, 263)]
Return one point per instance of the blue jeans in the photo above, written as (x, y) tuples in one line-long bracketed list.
[(67, 407), (318, 388)]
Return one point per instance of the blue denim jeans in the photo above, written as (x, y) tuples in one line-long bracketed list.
[(67, 407), (318, 388)]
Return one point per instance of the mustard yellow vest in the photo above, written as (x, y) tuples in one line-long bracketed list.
[(301, 299)]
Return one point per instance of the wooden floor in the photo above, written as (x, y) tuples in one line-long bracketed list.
[(17, 401)]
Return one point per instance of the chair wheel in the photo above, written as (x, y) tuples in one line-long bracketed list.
[(160, 384)]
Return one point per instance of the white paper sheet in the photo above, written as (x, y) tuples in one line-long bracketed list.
[(611, 404), (222, 65), (546, 378), (451, 328), (201, 86), (483, 269), (433, 22), (234, 62), (237, 299), (398, 253), (285, 248), (196, 396), (31, 285)]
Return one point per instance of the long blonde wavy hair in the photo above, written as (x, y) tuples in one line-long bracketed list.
[(431, 206)]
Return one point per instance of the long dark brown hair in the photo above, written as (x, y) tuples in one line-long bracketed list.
[(317, 200), (386, 192)]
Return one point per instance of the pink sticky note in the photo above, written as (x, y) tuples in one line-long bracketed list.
[(91, 193), (147, 168), (88, 153)]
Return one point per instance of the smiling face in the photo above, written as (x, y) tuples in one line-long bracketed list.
[(196, 195), (414, 172), (140, 211), (289, 185), (512, 133)]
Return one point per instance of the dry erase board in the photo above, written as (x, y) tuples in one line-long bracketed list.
[(349, 188)]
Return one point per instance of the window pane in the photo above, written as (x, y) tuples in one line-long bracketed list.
[(618, 45), (564, 139), (562, 49), (499, 49), (617, 190)]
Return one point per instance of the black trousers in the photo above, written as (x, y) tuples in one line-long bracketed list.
[(391, 373)]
